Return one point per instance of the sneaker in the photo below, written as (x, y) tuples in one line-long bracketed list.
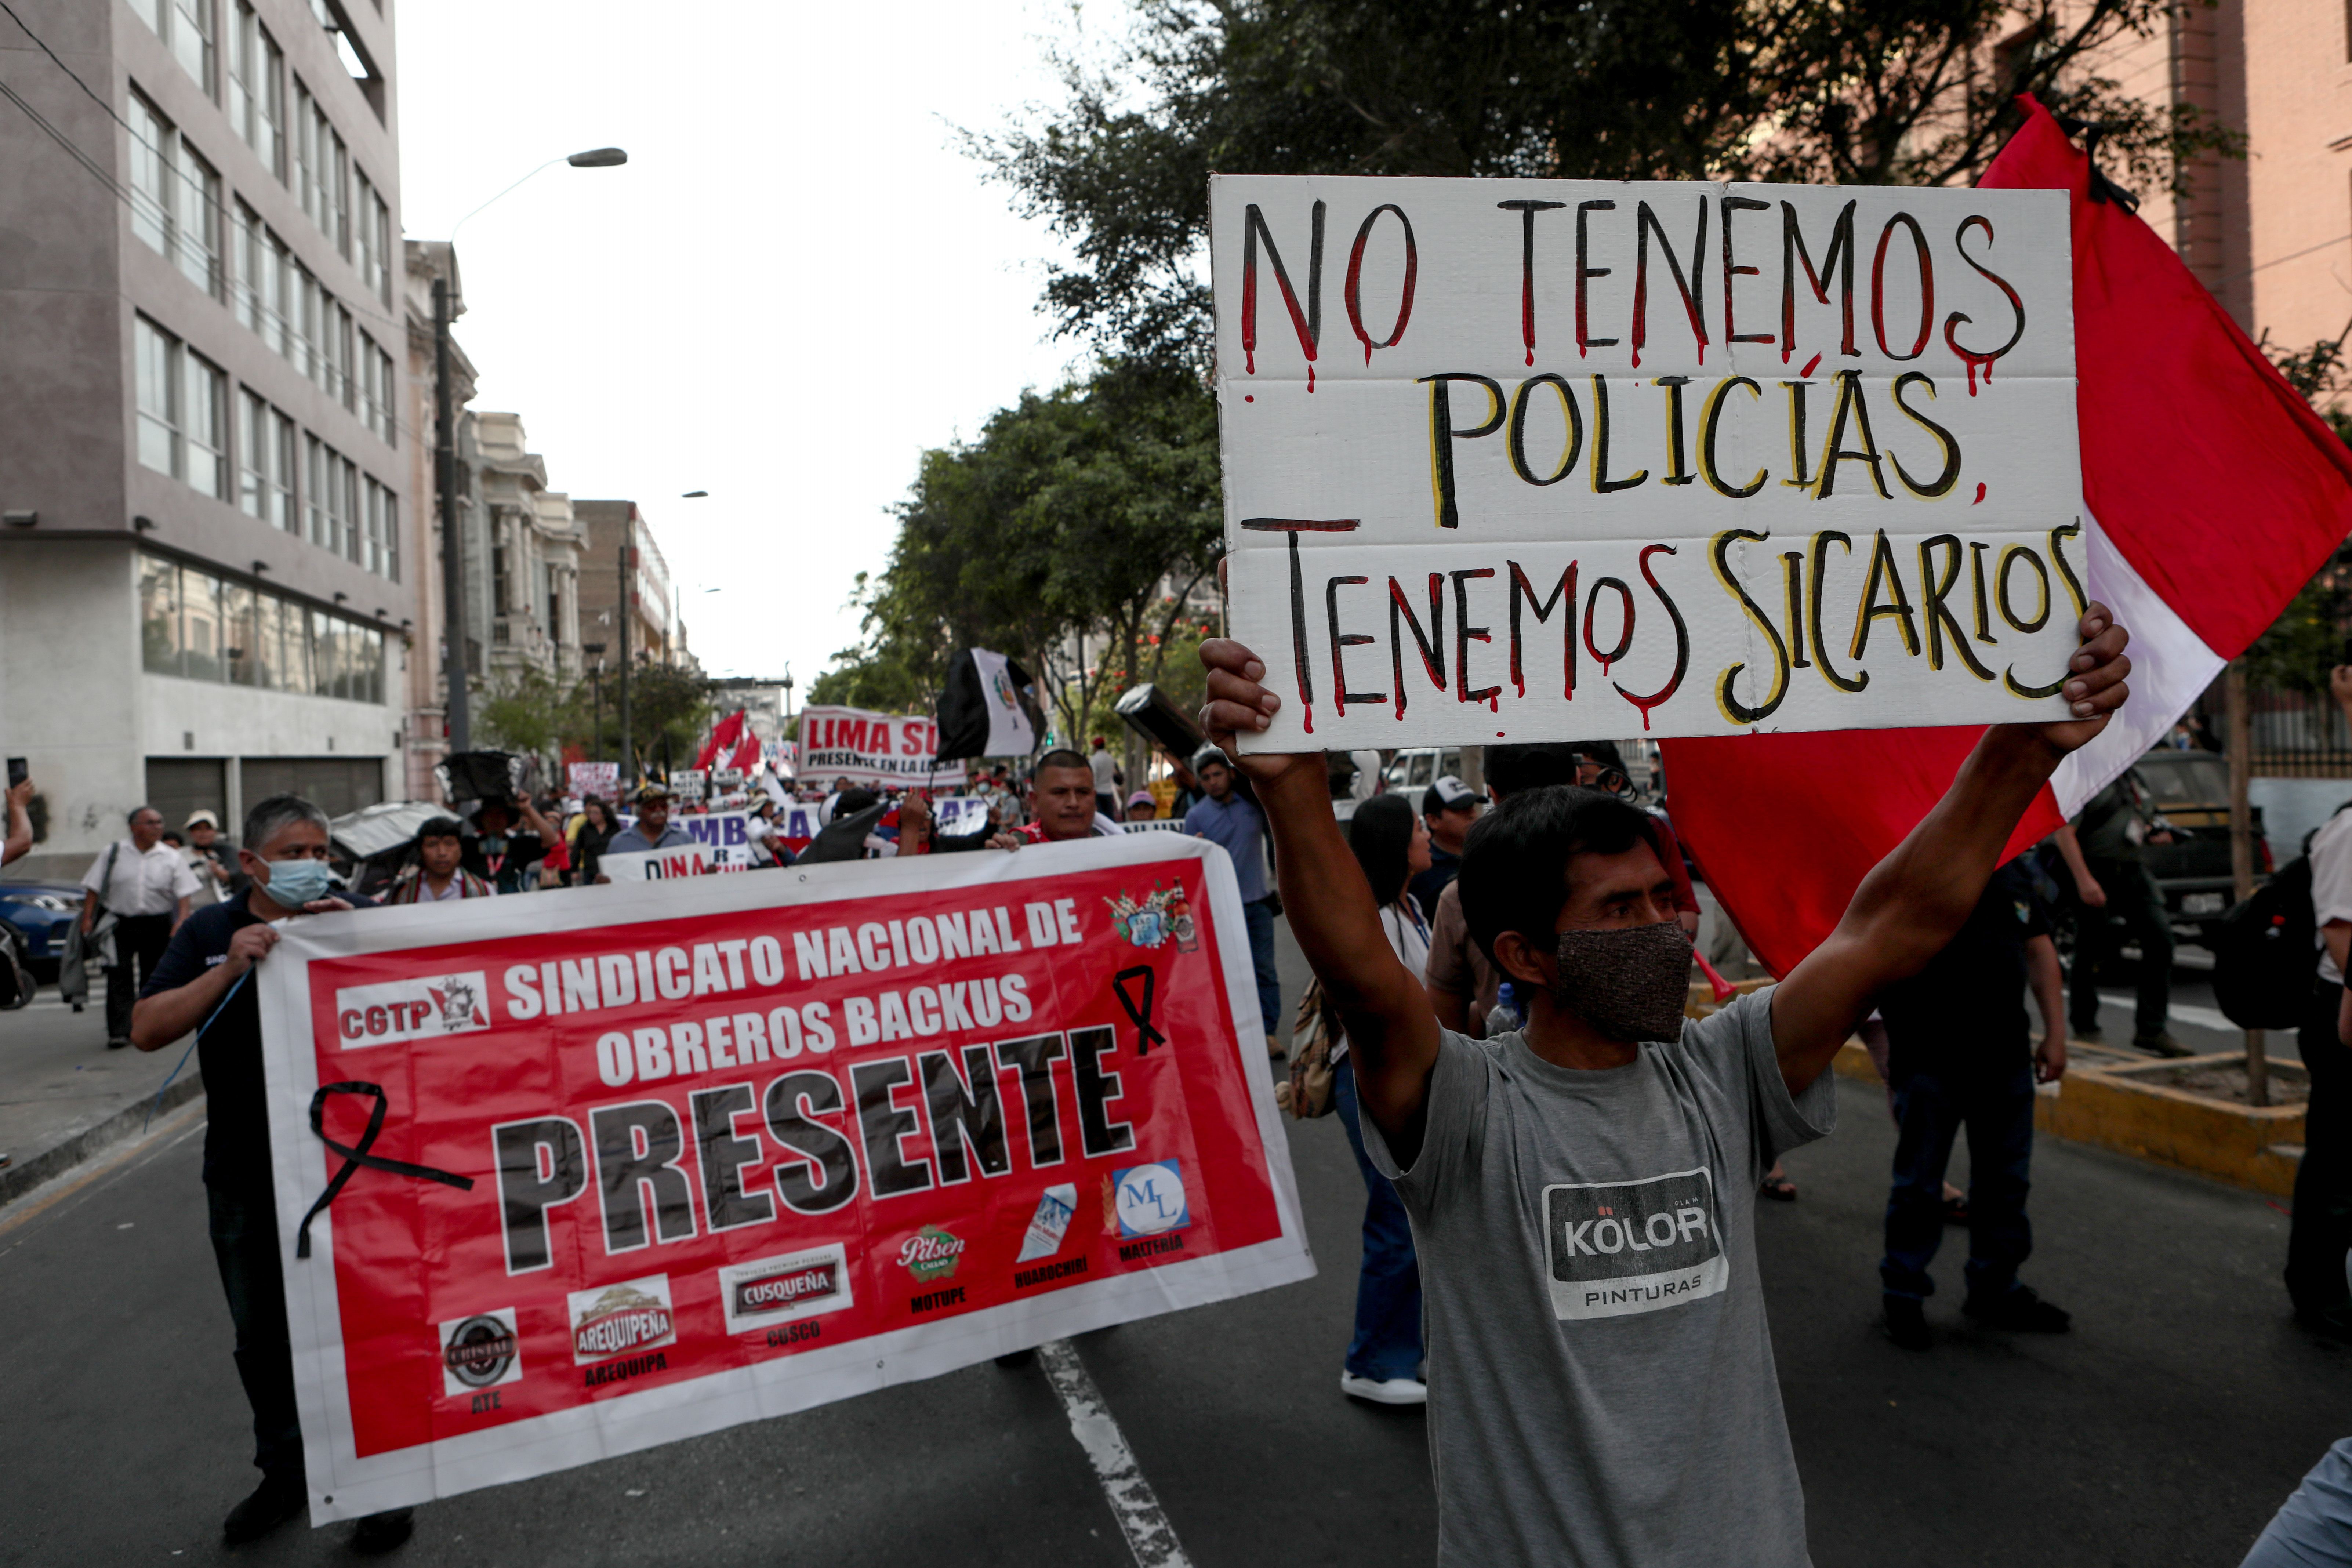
[(116, 1045), (2018, 1309), (2162, 1044), (2089, 1033), (1906, 1323), (280, 1496), (382, 1533), (1395, 1391)]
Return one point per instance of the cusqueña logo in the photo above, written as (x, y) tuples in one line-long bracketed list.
[(769, 1290)]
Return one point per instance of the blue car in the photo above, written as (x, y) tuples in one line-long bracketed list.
[(40, 913)]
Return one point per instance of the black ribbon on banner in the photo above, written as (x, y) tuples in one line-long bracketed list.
[(1139, 1014), (354, 1158)]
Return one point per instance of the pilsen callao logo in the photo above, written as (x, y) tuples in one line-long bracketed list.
[(621, 1319), (931, 1253)]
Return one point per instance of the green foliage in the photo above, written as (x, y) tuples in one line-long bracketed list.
[(1856, 91), (530, 713), (666, 702), (2308, 640), (526, 714), (1072, 517)]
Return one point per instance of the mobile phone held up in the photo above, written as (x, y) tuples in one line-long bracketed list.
[(17, 771)]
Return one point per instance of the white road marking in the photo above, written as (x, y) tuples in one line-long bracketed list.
[(1149, 1534)]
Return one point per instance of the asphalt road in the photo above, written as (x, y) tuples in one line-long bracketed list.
[(2164, 1430)]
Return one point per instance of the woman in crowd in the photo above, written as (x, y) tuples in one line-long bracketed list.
[(1392, 844), (588, 841)]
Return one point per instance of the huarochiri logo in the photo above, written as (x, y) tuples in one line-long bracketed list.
[(1611, 1249), (418, 1009), (931, 1253), (769, 1290), (480, 1353), (1162, 915), (619, 1320)]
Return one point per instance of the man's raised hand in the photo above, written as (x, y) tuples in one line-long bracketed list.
[(2094, 685), (1238, 703)]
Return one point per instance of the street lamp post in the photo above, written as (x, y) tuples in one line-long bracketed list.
[(595, 702), (454, 666), (628, 560)]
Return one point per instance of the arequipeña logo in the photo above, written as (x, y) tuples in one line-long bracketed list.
[(769, 1290), (478, 1353), (620, 1319), (1616, 1248), (931, 1253), (419, 1009)]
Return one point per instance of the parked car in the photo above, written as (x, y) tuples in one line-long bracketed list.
[(39, 913), (2189, 790), (1415, 768)]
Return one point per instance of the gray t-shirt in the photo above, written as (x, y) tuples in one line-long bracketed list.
[(1600, 1381)]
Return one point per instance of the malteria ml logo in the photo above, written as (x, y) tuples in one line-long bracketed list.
[(931, 1253), (620, 1319)]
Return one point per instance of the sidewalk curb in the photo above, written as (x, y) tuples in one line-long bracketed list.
[(18, 1179)]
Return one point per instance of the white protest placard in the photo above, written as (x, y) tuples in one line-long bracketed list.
[(688, 783), (1529, 460), (953, 816), (658, 865), (872, 748), (600, 779)]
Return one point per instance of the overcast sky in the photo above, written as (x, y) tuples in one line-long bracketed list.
[(797, 283)]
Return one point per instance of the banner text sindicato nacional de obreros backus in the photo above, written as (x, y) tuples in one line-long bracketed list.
[(741, 1145)]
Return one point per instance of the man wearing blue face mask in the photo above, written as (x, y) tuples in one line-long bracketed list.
[(203, 983)]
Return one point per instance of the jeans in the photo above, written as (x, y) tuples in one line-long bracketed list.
[(1387, 1343), (140, 938), (2321, 1231), (1928, 1109), (1258, 918), (2132, 898), (2313, 1529), (245, 1243)]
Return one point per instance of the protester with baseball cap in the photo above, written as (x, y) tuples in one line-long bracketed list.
[(653, 829), (1449, 806), (210, 857), (1230, 817)]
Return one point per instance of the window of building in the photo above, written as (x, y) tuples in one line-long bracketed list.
[(375, 388), (257, 89), (383, 530), (198, 626), (281, 473), (203, 425), (317, 454), (322, 169), (156, 353), (251, 244), (190, 33), (266, 481), (197, 221), (150, 176), (375, 220), (280, 300)]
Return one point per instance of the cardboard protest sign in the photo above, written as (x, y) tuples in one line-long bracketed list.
[(740, 1145), (1523, 459), (600, 779), (657, 865), (872, 748), (688, 783)]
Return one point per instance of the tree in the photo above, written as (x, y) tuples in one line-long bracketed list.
[(2308, 640), (668, 702), (1069, 536), (1865, 91)]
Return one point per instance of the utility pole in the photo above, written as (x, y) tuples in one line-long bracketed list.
[(628, 561), (2242, 847), (456, 705)]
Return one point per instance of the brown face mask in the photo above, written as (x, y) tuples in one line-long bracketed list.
[(1629, 983)]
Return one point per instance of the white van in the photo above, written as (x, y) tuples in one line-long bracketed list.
[(1416, 768)]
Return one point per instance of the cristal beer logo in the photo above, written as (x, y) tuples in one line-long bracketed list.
[(478, 1353), (1616, 1248), (931, 1253), (417, 1009), (621, 1319), (769, 1290)]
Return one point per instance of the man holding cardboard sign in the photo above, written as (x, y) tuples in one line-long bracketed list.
[(1608, 450)]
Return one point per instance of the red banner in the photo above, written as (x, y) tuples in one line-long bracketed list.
[(741, 1145)]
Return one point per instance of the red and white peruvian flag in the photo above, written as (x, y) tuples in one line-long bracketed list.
[(2211, 492), (747, 755), (723, 737)]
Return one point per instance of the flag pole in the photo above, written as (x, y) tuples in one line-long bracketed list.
[(2242, 847)]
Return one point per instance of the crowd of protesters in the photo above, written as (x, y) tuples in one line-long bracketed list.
[(186, 913)]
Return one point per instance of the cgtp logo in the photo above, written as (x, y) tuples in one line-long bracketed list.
[(416, 1009)]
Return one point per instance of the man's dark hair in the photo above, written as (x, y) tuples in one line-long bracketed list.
[(137, 812), (1061, 757), (440, 827), (1512, 770), (1515, 863), (1380, 833), (854, 801), (271, 816), (1604, 753)]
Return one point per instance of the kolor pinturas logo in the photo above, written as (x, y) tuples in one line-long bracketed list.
[(1611, 1249), (931, 1253)]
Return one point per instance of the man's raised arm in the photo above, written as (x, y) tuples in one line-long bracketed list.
[(1391, 1034), (1915, 900)]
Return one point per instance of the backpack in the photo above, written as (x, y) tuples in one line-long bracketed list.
[(1307, 1091), (2267, 952)]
